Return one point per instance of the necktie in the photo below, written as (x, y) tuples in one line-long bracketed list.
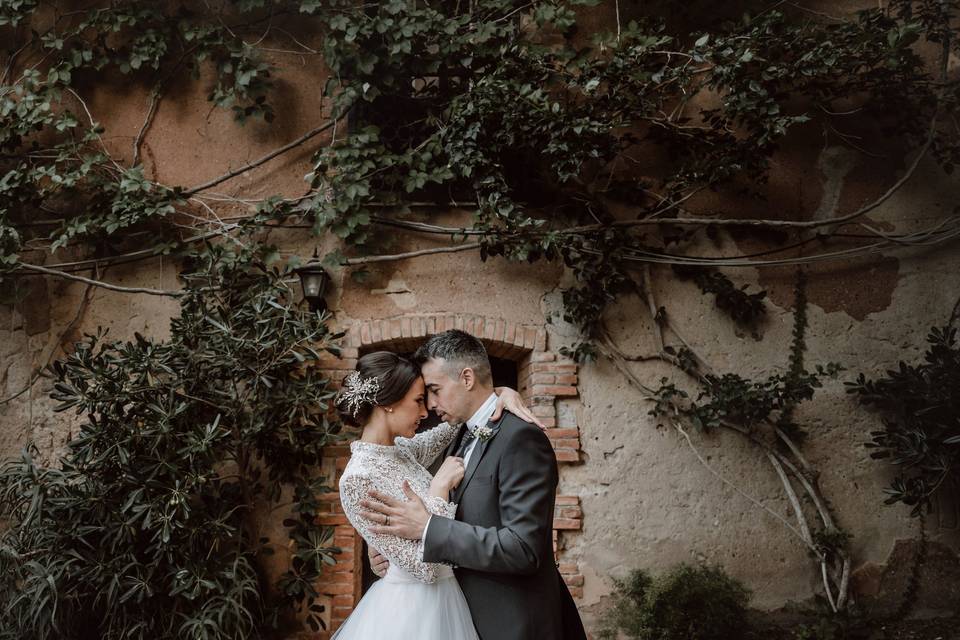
[(465, 443)]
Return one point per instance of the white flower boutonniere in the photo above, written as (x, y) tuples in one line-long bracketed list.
[(483, 433)]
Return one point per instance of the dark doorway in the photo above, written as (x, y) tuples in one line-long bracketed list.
[(504, 375)]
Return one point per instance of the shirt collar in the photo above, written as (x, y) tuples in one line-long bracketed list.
[(482, 415)]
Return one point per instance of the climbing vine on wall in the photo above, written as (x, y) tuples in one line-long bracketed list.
[(516, 112)]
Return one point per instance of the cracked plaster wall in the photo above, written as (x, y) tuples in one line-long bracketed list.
[(647, 501)]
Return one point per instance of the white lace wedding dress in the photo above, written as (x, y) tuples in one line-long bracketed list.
[(415, 600)]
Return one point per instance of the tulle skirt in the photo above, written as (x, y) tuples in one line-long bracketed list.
[(400, 607)]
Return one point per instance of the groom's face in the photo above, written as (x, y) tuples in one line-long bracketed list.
[(448, 396)]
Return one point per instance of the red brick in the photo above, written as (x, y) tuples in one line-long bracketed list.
[(540, 344), (543, 367), (549, 423), (566, 500), (419, 328), (336, 576), (559, 368), (509, 332), (347, 601), (567, 378), (459, 322), (562, 433), (542, 378), (570, 568), (570, 512), (489, 329), (332, 520), (567, 523), (576, 592), (376, 332), (405, 329), (573, 581), (335, 589), (394, 328), (529, 338), (543, 410), (567, 455), (554, 390), (544, 356), (431, 325), (498, 329), (565, 443), (365, 333)]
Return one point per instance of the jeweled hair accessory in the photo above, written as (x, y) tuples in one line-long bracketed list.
[(356, 390)]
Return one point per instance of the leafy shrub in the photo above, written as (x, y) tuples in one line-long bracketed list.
[(144, 530), (920, 407), (686, 603)]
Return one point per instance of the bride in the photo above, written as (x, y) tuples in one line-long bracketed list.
[(416, 599)]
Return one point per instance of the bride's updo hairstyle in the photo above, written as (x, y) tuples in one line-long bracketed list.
[(381, 378)]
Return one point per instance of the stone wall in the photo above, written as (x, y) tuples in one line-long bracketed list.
[(632, 494)]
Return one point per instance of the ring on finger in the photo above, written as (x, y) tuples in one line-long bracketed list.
[(386, 521)]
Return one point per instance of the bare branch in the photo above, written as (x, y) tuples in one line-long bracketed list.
[(256, 163), (411, 254), (97, 283), (154, 102)]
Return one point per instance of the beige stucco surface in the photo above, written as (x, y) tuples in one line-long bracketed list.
[(647, 499)]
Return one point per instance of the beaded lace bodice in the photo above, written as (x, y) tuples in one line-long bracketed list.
[(384, 468)]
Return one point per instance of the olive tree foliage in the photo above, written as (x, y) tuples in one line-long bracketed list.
[(149, 526), (515, 111)]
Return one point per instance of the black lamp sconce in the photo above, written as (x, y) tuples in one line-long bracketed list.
[(314, 279)]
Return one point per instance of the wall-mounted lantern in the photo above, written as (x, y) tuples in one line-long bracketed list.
[(314, 279)]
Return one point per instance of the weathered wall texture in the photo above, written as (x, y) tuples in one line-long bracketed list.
[(646, 499)]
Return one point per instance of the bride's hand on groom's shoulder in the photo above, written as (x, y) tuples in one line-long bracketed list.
[(378, 563), (512, 401)]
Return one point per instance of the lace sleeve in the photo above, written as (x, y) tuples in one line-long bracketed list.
[(426, 446), (403, 553), (440, 507)]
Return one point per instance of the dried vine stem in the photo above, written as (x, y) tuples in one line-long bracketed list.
[(470, 246), (619, 363), (262, 160), (778, 461), (98, 283)]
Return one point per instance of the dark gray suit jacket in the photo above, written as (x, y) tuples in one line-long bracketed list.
[(501, 543)]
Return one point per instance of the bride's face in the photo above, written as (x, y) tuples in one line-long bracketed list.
[(407, 413)]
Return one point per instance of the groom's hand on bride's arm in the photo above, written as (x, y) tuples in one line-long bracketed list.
[(509, 399), (393, 517)]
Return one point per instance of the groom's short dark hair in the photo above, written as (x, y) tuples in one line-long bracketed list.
[(459, 350)]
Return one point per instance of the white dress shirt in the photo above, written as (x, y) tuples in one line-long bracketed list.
[(479, 418)]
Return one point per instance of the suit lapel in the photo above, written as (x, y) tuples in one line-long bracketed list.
[(479, 449)]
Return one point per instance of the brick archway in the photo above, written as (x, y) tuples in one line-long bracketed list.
[(547, 382)]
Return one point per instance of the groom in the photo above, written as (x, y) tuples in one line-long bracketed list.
[(501, 543)]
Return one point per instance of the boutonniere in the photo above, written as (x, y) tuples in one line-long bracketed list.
[(483, 433)]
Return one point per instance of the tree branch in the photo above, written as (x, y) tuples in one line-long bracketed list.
[(97, 283), (411, 254), (256, 163)]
